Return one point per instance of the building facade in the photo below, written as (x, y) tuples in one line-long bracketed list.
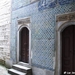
[(37, 30)]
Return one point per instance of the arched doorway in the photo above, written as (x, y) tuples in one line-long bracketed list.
[(24, 45), (68, 50)]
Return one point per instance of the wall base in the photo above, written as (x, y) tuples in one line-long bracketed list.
[(38, 71)]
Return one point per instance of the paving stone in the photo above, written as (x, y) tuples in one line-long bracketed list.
[(3, 70)]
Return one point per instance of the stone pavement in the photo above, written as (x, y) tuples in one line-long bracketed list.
[(3, 71)]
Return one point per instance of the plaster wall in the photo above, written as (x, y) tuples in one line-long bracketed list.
[(5, 20)]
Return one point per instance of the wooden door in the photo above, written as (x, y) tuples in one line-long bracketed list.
[(74, 51), (24, 42), (68, 51)]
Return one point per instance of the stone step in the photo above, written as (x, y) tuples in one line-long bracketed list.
[(24, 64), (15, 72), (21, 68)]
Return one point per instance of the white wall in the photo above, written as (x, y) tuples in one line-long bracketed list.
[(5, 20)]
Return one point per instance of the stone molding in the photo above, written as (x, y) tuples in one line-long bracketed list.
[(24, 21), (66, 17)]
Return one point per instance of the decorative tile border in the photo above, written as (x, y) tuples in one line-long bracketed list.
[(62, 2), (44, 4)]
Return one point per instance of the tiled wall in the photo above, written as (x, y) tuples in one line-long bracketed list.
[(43, 31)]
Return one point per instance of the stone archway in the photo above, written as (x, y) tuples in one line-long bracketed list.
[(24, 26), (59, 28)]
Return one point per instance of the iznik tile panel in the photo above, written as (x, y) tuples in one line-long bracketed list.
[(62, 2), (43, 31), (43, 4)]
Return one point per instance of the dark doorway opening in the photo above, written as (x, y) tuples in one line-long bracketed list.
[(68, 50), (24, 45)]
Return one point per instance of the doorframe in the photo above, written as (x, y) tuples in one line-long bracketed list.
[(25, 22), (60, 26)]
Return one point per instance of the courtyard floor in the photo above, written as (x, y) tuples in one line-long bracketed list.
[(3, 70)]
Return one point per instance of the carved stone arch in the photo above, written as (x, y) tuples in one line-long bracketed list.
[(64, 25), (22, 26), (23, 23), (59, 28)]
